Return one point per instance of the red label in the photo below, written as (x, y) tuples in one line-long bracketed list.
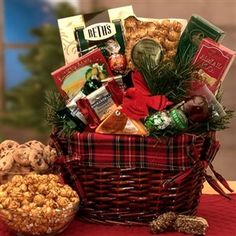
[(212, 61)]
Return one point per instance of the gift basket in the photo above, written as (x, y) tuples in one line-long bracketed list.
[(136, 116)]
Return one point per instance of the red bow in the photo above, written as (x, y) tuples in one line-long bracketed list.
[(138, 99)]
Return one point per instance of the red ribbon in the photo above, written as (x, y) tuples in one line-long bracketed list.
[(116, 92), (88, 112), (138, 99)]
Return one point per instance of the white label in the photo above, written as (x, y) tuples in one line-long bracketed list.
[(99, 31)]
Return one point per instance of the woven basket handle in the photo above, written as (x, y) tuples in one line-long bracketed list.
[(205, 159)]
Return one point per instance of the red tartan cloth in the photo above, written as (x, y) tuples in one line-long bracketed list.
[(122, 151), (218, 211)]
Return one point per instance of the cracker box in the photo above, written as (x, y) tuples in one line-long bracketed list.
[(71, 78)]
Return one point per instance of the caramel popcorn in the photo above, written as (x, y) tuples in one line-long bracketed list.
[(37, 204)]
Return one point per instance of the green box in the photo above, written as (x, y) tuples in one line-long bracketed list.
[(196, 29)]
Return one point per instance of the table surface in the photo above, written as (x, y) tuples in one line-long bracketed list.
[(209, 190)]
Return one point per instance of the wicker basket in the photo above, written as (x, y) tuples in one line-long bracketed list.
[(132, 180)]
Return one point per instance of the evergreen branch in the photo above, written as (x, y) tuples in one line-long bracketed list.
[(166, 78), (54, 103)]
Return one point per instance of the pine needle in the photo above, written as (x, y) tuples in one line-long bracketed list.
[(54, 103)]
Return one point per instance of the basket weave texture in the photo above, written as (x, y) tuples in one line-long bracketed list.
[(132, 179)]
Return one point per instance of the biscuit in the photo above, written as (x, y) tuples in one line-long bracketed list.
[(191, 225), (37, 160), (6, 160), (8, 144), (34, 144), (50, 154), (21, 155)]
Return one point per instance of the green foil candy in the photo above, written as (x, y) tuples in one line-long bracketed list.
[(174, 119), (179, 119), (159, 120)]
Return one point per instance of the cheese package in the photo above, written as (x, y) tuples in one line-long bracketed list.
[(118, 123), (78, 33)]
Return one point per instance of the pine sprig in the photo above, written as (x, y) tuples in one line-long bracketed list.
[(167, 78), (54, 103), (173, 79), (213, 124)]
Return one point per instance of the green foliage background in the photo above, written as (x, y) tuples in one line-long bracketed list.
[(26, 102)]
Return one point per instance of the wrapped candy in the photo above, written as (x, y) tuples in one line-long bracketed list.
[(116, 61), (174, 120)]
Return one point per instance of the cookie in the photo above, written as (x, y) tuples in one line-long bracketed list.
[(37, 160), (18, 169), (8, 144), (34, 144), (50, 154), (21, 154), (6, 160)]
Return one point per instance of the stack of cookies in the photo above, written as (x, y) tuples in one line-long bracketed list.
[(23, 158)]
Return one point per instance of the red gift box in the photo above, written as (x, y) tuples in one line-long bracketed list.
[(70, 78), (215, 60)]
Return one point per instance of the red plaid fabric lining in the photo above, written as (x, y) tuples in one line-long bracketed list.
[(121, 151)]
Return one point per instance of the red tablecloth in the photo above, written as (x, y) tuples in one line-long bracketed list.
[(219, 212)]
